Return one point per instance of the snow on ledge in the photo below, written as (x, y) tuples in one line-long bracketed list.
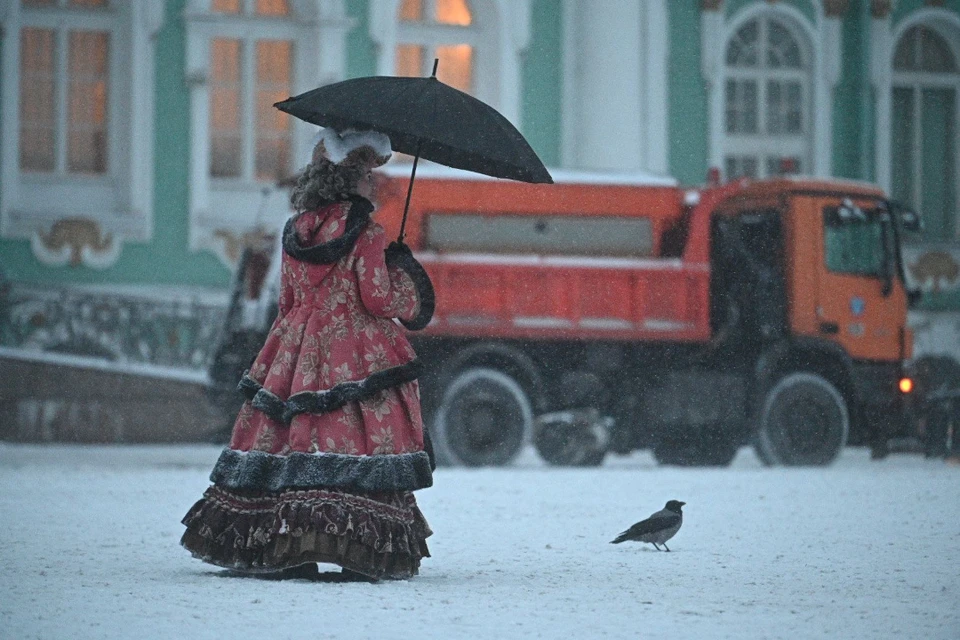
[(426, 169)]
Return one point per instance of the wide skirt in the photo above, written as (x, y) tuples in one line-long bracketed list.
[(379, 535)]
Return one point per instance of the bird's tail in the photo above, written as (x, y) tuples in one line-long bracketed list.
[(620, 538)]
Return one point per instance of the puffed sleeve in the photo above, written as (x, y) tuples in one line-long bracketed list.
[(390, 285)]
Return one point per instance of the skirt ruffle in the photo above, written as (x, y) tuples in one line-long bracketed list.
[(382, 536)]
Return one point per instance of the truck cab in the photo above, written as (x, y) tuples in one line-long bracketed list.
[(811, 270)]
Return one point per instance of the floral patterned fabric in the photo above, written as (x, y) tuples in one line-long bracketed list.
[(336, 325)]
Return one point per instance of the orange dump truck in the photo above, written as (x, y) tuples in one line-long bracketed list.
[(605, 314)]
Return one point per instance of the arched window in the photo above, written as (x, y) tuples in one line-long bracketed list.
[(441, 29), (766, 125), (926, 80)]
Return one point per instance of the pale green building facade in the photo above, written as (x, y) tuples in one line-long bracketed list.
[(127, 180)]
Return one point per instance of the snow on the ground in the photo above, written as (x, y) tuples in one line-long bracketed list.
[(862, 549)]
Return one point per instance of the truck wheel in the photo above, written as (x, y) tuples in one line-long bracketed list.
[(712, 447), (576, 438), (803, 421), (484, 418)]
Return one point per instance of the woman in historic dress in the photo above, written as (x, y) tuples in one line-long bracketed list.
[(329, 446)]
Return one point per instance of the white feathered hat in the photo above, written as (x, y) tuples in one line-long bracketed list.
[(367, 149)]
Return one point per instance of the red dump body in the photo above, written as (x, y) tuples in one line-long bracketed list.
[(506, 260)]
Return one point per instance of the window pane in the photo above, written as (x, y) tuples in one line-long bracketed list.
[(902, 156), (742, 51), (87, 101), (783, 51), (784, 107), (742, 106), (225, 109), (37, 96), (226, 6), (853, 241), (740, 167), (272, 7), (783, 166), (411, 11), (453, 12), (409, 60), (456, 66), (274, 62), (935, 54)]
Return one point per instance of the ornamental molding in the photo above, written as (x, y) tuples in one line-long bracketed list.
[(75, 242)]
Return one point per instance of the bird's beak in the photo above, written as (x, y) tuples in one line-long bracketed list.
[(683, 504)]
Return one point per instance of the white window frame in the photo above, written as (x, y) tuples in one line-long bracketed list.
[(763, 144), (499, 35), (222, 210), (820, 40), (119, 203), (883, 42)]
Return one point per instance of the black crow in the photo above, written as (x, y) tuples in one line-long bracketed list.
[(656, 529)]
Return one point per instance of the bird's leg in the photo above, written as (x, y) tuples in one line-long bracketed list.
[(665, 546), (658, 548)]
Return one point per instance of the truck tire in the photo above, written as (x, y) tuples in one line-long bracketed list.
[(572, 438), (711, 447), (803, 421), (484, 419)]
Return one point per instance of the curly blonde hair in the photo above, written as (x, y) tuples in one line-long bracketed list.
[(322, 182)]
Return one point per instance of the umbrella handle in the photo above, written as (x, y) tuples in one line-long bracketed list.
[(406, 207)]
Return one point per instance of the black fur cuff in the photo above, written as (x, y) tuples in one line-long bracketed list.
[(260, 471), (399, 256), (318, 402)]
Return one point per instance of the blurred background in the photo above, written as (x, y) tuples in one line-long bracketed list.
[(140, 155)]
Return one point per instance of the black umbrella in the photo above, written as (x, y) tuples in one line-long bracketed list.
[(424, 118)]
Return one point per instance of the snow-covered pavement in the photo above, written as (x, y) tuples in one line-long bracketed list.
[(859, 550)]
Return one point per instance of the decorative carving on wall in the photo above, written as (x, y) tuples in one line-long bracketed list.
[(75, 241), (935, 271), (233, 244)]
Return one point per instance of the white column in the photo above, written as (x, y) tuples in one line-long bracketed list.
[(606, 74), (880, 79), (827, 74), (10, 124), (711, 68), (654, 119)]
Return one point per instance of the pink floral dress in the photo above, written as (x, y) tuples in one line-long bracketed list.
[(329, 445)]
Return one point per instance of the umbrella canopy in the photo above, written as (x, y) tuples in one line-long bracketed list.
[(424, 118)]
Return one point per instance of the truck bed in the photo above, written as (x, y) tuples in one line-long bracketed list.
[(566, 297)]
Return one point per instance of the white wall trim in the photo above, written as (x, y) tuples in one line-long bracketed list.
[(506, 34), (123, 207), (824, 46), (615, 96), (232, 208), (883, 40)]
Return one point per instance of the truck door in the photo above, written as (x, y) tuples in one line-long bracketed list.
[(860, 300)]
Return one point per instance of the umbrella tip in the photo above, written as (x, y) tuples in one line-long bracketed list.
[(436, 61)]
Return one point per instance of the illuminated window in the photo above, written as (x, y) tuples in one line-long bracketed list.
[(441, 29), (78, 117), (249, 138), (64, 94)]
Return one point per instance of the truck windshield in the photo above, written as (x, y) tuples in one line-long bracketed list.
[(859, 241)]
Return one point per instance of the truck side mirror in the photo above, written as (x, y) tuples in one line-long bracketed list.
[(909, 219)]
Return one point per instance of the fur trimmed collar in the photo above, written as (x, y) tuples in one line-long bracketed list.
[(329, 252)]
